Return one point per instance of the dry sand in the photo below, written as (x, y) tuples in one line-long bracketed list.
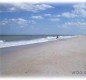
[(58, 58)]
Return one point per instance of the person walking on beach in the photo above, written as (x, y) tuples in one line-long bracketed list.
[(57, 37)]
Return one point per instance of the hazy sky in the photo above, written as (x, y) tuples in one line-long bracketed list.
[(27, 18)]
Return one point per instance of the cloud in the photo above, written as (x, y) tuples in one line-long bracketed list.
[(75, 24), (19, 21), (32, 22), (78, 11), (47, 15), (7, 8), (68, 15), (24, 7), (52, 15), (37, 17), (54, 19)]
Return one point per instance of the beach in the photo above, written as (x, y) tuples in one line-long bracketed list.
[(65, 57)]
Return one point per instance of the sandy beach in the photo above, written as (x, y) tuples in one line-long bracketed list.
[(56, 58)]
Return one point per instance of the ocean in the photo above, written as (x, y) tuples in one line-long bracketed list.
[(17, 40), (8, 38)]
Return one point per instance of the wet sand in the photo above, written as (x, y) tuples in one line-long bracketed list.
[(57, 58)]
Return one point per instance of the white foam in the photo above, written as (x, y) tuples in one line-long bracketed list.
[(1, 41), (65, 37)]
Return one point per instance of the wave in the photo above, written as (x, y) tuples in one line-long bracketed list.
[(65, 37), (1, 41), (25, 42), (4, 44)]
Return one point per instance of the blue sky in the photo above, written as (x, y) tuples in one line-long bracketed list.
[(43, 18)]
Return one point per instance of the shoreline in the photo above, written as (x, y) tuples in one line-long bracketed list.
[(33, 41), (55, 58), (20, 47)]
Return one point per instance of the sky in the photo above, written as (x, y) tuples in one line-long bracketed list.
[(43, 18)]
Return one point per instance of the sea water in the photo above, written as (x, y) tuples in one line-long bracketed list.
[(17, 40)]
